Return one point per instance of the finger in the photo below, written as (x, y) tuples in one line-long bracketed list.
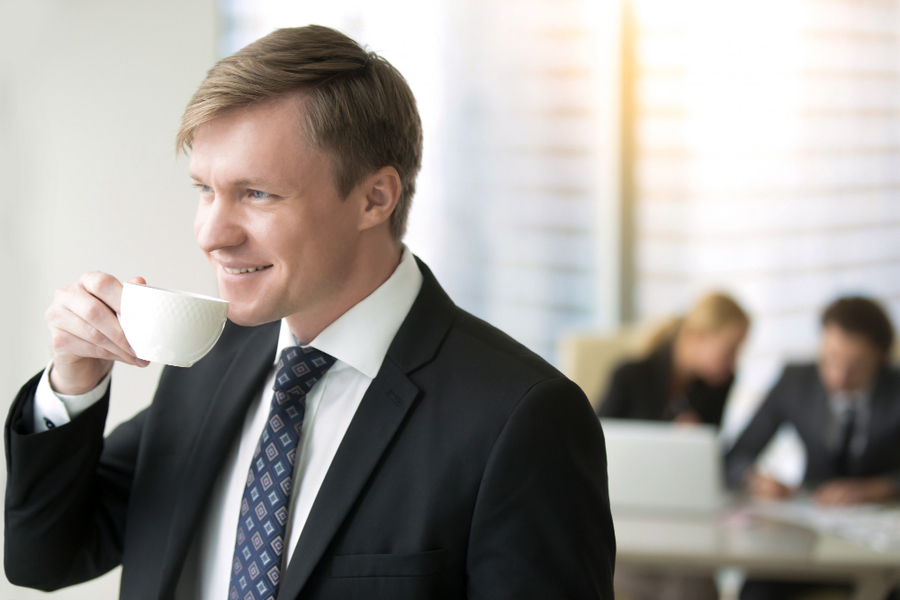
[(766, 489), (75, 347), (758, 485), (828, 495), (848, 495), (825, 489), (140, 280), (767, 485), (839, 498), (69, 322), (99, 316), (104, 287)]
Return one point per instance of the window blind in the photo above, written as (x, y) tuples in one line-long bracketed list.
[(766, 163), (512, 95)]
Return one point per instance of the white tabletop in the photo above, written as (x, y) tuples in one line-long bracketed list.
[(735, 537)]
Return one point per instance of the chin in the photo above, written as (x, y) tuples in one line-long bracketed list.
[(247, 318)]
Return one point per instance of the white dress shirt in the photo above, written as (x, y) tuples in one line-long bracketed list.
[(359, 340), (841, 404)]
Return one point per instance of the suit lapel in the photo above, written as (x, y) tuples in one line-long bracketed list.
[(819, 426), (378, 418), (380, 414), (880, 404), (220, 426)]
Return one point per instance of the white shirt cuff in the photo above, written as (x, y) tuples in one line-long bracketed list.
[(52, 409)]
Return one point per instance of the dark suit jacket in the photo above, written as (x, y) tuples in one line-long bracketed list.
[(639, 390), (800, 399), (472, 469)]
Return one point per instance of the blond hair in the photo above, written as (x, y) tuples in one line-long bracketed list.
[(358, 107), (711, 314)]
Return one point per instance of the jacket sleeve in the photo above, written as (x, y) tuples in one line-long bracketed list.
[(67, 494), (542, 526), (756, 436)]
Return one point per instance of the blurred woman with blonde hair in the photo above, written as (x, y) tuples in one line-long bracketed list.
[(689, 369), (684, 376)]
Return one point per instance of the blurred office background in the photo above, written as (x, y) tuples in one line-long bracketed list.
[(589, 164)]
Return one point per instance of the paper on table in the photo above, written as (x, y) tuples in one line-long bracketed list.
[(873, 526)]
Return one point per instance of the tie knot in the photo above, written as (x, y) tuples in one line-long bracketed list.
[(299, 369)]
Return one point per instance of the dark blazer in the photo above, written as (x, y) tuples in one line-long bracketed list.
[(472, 469), (799, 398), (639, 390)]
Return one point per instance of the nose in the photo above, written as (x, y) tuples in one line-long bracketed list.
[(218, 225)]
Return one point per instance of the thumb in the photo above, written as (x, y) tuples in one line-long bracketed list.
[(140, 280)]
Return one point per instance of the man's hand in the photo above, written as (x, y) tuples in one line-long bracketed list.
[(764, 486), (85, 333), (688, 417), (849, 492)]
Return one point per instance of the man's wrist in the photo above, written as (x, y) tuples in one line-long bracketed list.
[(59, 408), (69, 389)]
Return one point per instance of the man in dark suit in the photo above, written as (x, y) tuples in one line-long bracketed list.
[(409, 449), (846, 410)]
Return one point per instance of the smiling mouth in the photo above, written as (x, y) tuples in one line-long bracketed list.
[(248, 270)]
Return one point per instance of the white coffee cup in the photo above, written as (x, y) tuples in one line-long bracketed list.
[(175, 328)]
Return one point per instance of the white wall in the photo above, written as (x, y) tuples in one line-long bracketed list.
[(90, 97)]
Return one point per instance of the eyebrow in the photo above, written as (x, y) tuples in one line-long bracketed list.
[(254, 182)]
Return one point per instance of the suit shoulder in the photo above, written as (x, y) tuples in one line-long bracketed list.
[(504, 381), (890, 375), (891, 372), (799, 372), (505, 354)]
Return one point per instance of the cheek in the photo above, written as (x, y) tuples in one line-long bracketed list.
[(296, 243), (718, 363), (831, 374), (710, 357), (313, 239), (859, 376), (199, 219)]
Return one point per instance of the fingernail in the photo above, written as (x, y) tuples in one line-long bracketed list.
[(143, 363)]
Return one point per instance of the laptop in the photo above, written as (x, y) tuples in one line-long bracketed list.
[(663, 466)]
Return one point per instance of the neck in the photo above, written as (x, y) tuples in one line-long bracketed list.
[(373, 265)]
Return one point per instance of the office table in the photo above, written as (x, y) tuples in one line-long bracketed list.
[(703, 543)]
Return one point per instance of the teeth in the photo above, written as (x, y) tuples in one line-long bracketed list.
[(250, 270)]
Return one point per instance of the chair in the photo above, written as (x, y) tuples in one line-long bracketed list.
[(589, 358)]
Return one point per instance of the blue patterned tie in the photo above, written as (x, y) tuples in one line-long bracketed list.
[(256, 569)]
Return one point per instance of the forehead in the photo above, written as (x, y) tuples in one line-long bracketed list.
[(263, 139), (837, 339)]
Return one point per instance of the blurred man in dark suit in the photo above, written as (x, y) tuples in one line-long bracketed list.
[(846, 410)]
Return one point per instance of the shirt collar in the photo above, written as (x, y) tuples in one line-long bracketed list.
[(361, 336), (841, 402)]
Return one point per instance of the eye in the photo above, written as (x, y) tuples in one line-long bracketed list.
[(203, 188), (258, 194)]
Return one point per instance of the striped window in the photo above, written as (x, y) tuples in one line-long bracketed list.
[(765, 146), (519, 147)]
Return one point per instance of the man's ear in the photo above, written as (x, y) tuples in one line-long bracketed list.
[(381, 191)]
